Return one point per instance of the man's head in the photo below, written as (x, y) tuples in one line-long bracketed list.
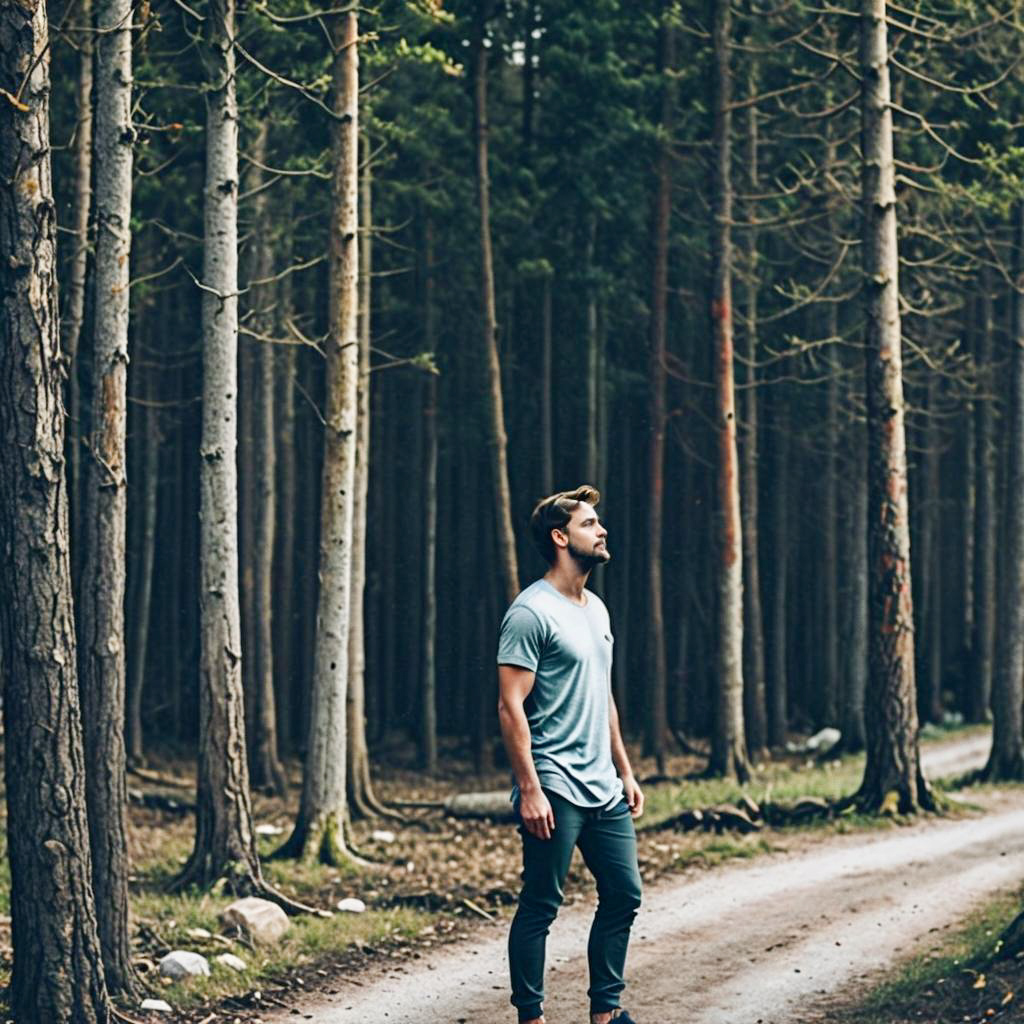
[(566, 522)]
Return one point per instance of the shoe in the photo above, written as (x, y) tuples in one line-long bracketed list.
[(622, 1017)]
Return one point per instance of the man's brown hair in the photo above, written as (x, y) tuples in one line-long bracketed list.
[(554, 513)]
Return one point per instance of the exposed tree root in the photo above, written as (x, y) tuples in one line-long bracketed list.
[(319, 842), (240, 877)]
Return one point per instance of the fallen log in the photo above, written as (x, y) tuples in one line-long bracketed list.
[(494, 805)]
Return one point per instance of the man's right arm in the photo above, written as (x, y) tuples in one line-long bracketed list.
[(514, 686)]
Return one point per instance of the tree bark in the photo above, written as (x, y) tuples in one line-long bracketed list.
[(58, 964), (267, 772), (778, 718), (134, 738), (547, 461), (74, 315), (497, 439), (363, 801), (857, 639), (892, 773), (754, 696), (428, 683), (728, 746), (985, 527), (225, 844), (320, 829), (1006, 761), (101, 651), (656, 704), (284, 574)]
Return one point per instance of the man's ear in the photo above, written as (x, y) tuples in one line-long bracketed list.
[(560, 538)]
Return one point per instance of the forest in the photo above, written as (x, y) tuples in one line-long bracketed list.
[(302, 309)]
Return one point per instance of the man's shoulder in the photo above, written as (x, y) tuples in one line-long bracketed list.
[(538, 599)]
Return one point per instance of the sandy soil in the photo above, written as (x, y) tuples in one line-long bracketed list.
[(759, 943)]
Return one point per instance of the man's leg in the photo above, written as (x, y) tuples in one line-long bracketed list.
[(608, 845), (545, 865)]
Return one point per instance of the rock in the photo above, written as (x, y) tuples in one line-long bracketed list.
[(198, 933), (352, 905), (180, 963), (260, 920), (269, 830), (381, 835), (824, 740), (156, 1004), (236, 963)]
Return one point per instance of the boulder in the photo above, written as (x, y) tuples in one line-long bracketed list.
[(258, 919), (236, 963), (352, 905), (181, 963), (156, 1004)]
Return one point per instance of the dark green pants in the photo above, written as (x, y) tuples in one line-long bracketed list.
[(607, 840)]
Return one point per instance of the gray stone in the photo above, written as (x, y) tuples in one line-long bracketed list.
[(260, 920), (156, 1004), (352, 905), (236, 963), (180, 963)]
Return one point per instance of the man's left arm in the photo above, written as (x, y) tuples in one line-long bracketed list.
[(630, 787)]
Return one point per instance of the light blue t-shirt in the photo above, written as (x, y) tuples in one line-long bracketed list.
[(568, 647)]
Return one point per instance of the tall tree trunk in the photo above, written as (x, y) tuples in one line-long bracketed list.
[(320, 829), (267, 771), (778, 718), (74, 315), (497, 440), (656, 704), (134, 738), (428, 683), (892, 770), (547, 461), (101, 658), (1006, 761), (225, 843), (830, 674), (362, 798), (58, 962), (985, 528), (284, 576), (754, 698), (928, 563), (590, 472), (728, 746), (852, 727)]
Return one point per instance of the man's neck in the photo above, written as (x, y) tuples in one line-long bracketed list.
[(568, 580)]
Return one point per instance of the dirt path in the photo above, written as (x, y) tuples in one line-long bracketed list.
[(750, 944)]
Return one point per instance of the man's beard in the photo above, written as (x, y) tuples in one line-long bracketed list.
[(588, 560)]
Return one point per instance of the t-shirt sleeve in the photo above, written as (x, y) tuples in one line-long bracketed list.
[(521, 640)]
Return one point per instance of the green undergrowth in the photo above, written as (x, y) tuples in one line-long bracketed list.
[(787, 781), (174, 921), (780, 782), (723, 848), (954, 979)]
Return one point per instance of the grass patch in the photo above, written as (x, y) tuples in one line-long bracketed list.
[(940, 984), (308, 941), (720, 849), (780, 781)]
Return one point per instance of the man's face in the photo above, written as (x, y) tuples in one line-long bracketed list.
[(587, 537)]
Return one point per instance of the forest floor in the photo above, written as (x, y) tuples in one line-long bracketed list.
[(794, 913)]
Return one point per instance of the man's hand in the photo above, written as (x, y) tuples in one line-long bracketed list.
[(535, 810), (634, 796)]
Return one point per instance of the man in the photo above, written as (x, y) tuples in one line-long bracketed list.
[(574, 784)]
